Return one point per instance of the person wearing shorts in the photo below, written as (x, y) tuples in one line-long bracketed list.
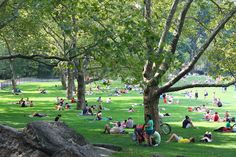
[(149, 129), (180, 139)]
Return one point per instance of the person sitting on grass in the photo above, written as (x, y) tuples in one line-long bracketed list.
[(216, 117), (90, 110), (35, 114), (67, 106), (227, 116), (99, 115), (180, 139), (108, 101), (73, 100), (116, 129), (207, 116), (20, 102), (85, 109), (124, 123), (30, 103), (99, 99), (100, 107), (16, 91), (23, 104), (156, 139), (129, 123), (131, 109), (219, 103), (207, 137), (187, 123)]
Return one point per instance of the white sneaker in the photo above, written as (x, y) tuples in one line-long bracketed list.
[(156, 145)]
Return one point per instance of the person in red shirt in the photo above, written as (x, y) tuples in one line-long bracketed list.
[(216, 117)]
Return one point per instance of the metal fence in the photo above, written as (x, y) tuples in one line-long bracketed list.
[(8, 83)]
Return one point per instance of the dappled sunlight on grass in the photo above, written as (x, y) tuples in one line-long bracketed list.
[(223, 143)]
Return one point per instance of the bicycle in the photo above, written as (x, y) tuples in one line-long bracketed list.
[(164, 127)]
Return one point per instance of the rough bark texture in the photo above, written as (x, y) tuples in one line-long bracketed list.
[(43, 139), (151, 101), (63, 79), (13, 78), (80, 90), (70, 83)]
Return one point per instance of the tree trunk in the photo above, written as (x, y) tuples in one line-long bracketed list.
[(13, 78), (80, 90), (70, 82), (151, 101), (63, 79)]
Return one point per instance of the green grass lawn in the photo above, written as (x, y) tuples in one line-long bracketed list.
[(223, 145)]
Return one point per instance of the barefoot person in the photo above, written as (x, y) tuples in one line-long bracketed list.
[(180, 139)]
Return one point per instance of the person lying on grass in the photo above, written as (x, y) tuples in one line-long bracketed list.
[(207, 137), (180, 139), (35, 114), (116, 129), (227, 128)]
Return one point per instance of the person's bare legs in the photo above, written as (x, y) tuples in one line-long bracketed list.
[(173, 137), (107, 129), (149, 140)]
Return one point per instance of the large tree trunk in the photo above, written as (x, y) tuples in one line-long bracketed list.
[(13, 78), (63, 79), (151, 101), (80, 90), (70, 83)]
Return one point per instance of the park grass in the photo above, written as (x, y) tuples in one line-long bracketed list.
[(223, 145)]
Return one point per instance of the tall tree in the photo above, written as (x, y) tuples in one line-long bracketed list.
[(154, 71)]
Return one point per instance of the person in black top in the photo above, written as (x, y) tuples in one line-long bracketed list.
[(187, 123), (23, 104)]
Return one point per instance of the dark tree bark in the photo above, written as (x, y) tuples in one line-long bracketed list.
[(70, 80), (63, 78), (151, 101), (13, 72), (80, 90)]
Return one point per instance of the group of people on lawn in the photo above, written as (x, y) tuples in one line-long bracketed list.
[(25, 102), (146, 132)]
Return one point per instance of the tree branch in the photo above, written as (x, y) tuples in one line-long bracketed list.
[(34, 56), (161, 43), (199, 52), (174, 89), (166, 63), (217, 5)]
